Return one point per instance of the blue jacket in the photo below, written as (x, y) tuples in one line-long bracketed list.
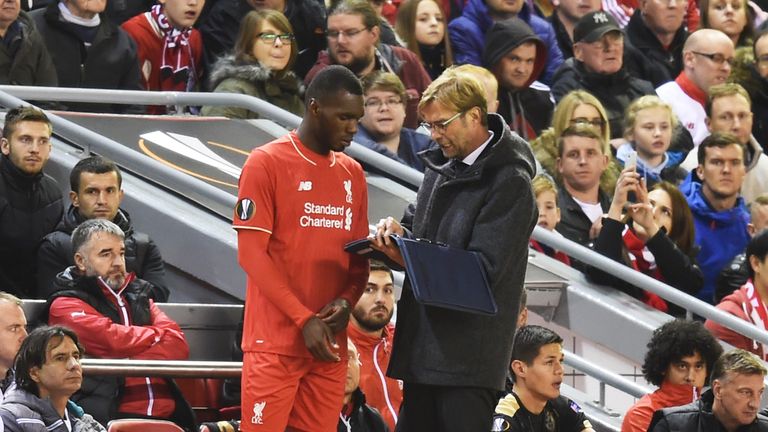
[(721, 235), (411, 144), (467, 34), (670, 171)]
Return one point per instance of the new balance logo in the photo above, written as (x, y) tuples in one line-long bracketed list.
[(305, 186)]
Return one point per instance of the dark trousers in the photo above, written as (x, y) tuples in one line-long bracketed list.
[(446, 409)]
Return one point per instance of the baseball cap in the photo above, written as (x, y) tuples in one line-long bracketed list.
[(593, 26)]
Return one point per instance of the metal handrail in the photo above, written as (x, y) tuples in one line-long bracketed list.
[(605, 377), (164, 368), (129, 159), (389, 167), (648, 283)]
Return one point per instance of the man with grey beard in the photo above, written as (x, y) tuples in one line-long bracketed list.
[(112, 312)]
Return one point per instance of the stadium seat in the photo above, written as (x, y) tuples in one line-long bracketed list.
[(142, 425)]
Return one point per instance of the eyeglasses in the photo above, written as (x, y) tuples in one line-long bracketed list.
[(378, 103), (270, 38), (583, 121), (442, 125), (717, 58), (349, 34)]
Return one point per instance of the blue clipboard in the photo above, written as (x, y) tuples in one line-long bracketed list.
[(447, 277)]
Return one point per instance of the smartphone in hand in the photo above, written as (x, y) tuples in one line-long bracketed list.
[(631, 160)]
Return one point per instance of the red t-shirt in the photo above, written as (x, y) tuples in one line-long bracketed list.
[(309, 205)]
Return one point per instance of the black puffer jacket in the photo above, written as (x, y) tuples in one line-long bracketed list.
[(30, 208), (732, 277), (142, 256), (698, 417), (363, 418), (25, 61), (615, 91), (488, 209), (109, 63), (662, 64)]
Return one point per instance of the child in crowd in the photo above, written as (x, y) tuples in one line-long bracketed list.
[(422, 25), (170, 51), (648, 126), (545, 191)]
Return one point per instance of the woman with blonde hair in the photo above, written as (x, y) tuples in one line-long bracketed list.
[(260, 66), (422, 25), (576, 108)]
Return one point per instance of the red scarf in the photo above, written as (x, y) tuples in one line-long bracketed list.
[(759, 315), (691, 89), (177, 62), (644, 262)]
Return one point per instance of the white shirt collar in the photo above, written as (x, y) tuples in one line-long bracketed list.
[(472, 157)]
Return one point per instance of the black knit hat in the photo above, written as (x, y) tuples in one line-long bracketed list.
[(507, 35), (593, 26)]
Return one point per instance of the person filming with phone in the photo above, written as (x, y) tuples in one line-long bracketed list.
[(653, 235)]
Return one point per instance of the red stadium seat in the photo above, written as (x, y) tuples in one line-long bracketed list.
[(142, 425)]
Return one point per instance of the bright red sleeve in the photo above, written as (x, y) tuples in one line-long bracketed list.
[(99, 335), (172, 344), (253, 258)]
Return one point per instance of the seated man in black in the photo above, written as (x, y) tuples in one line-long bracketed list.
[(534, 403), (96, 185), (30, 200), (24, 59), (731, 404)]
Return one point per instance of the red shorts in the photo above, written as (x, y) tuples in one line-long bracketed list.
[(283, 391)]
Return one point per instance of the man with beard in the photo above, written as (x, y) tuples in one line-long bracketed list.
[(30, 200), (353, 42), (96, 192), (116, 318), (372, 333)]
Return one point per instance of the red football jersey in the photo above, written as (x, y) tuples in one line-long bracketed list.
[(310, 206)]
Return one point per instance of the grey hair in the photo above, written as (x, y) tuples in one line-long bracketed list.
[(83, 233), (9, 298)]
